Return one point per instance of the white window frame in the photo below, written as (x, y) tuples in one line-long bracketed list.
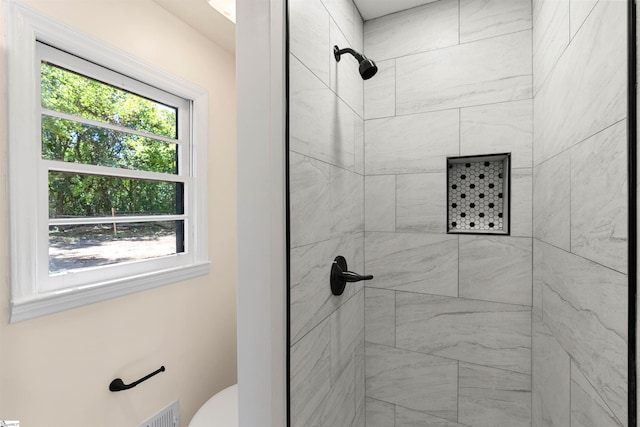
[(34, 292)]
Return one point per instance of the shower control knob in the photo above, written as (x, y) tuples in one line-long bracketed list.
[(340, 275)]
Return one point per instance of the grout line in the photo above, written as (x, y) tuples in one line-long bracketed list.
[(514, 306), (560, 344), (431, 414), (329, 88), (395, 412), (580, 256), (336, 237), (293, 343), (458, 293), (570, 377), (463, 107), (449, 46), (451, 359), (575, 144), (364, 210), (395, 207), (392, 173), (458, 394), (459, 133), (571, 39), (395, 318), (570, 199), (459, 29), (325, 162), (569, 18), (395, 87), (584, 21)]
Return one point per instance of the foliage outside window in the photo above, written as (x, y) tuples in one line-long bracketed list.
[(75, 111), (108, 196)]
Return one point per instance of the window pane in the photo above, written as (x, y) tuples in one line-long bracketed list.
[(81, 96), (81, 246), (75, 195), (75, 142)]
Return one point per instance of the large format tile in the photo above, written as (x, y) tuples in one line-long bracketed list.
[(551, 378), (380, 91), (309, 36), (380, 316), (499, 128), (522, 202), (347, 334), (576, 108), (413, 380), (538, 125), (420, 29), (421, 202), (344, 14), (358, 30), (538, 279), (359, 420), (321, 126), (550, 37), (319, 398), (585, 307), (310, 380), (311, 297), (485, 333), (345, 77), (358, 166), (490, 397), (347, 202), (360, 385), (461, 76), (580, 9), (379, 8), (309, 200), (536, 408), (379, 414), (409, 418), (480, 19), (424, 263), (339, 406), (380, 203), (411, 144), (552, 201), (599, 198), (496, 269), (587, 407)]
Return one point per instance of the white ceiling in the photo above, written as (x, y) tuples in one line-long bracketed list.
[(370, 9), (197, 13)]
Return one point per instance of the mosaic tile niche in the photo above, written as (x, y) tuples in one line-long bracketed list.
[(478, 194)]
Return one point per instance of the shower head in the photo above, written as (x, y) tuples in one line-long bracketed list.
[(368, 68)]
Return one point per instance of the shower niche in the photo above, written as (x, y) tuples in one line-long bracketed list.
[(478, 194)]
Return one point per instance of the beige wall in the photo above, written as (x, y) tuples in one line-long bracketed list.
[(55, 370)]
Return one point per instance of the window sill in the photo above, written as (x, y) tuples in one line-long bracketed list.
[(65, 299)]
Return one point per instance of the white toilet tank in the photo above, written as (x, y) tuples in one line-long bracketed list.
[(219, 411)]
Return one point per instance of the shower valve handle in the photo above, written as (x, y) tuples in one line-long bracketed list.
[(350, 276), (340, 276)]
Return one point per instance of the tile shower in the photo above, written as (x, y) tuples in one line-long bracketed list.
[(525, 329)]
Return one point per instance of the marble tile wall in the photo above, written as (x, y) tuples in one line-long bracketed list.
[(579, 351), (447, 317), (459, 331), (326, 172)]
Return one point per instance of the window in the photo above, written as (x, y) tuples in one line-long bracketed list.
[(107, 171)]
